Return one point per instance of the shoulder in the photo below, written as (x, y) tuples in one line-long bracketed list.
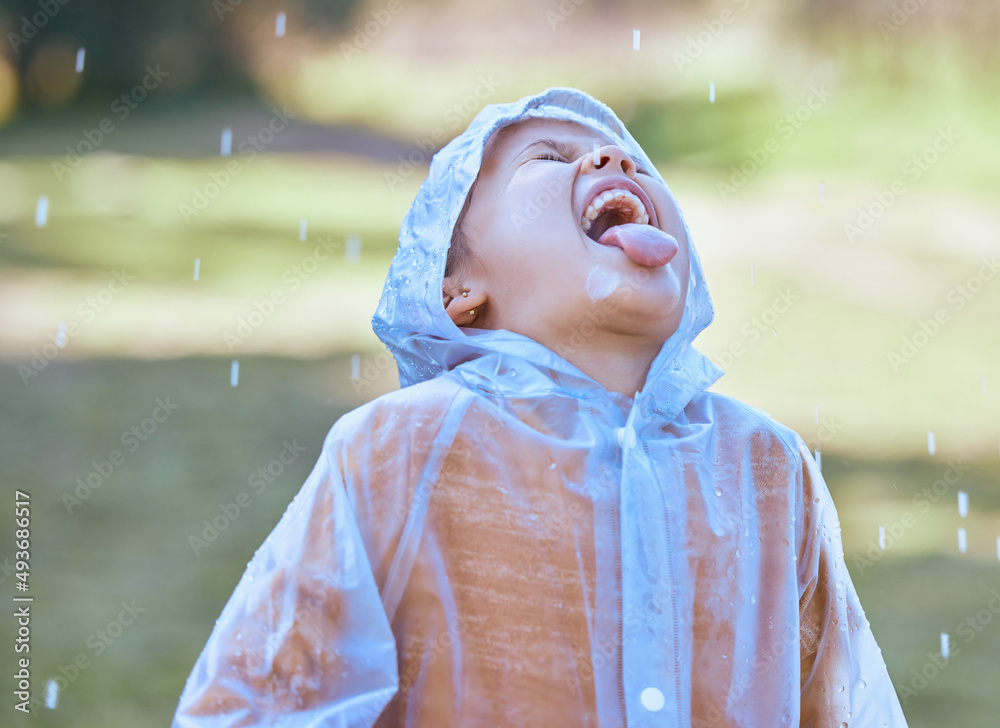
[(746, 424), (417, 411), (382, 450)]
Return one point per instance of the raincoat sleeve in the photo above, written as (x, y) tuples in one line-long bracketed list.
[(844, 680), (304, 640)]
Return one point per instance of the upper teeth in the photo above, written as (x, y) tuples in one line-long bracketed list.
[(597, 205)]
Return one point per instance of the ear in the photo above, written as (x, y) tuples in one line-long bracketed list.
[(464, 303)]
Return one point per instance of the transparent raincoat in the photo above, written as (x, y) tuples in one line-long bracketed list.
[(504, 542)]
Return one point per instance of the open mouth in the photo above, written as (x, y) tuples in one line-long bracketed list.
[(612, 208), (619, 217)]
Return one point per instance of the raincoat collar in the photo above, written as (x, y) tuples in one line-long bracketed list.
[(411, 320)]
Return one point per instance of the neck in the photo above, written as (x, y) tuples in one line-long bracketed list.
[(619, 366)]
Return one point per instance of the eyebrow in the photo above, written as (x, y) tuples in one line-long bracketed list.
[(561, 147)]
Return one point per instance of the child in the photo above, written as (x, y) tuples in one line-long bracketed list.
[(552, 523)]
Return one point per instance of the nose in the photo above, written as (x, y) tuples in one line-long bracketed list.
[(611, 157)]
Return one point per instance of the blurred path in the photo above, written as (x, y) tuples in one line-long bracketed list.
[(191, 130)]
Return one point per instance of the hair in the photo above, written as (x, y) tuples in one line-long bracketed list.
[(459, 252)]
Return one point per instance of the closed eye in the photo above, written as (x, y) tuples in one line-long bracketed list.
[(552, 157)]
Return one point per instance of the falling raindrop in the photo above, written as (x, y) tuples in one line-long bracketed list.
[(963, 541), (42, 212), (931, 444), (881, 537), (635, 39), (197, 267), (944, 645), (226, 143), (711, 92), (353, 250), (234, 374), (355, 367), (80, 53), (279, 25), (963, 504), (822, 192), (51, 694), (303, 224), (61, 335)]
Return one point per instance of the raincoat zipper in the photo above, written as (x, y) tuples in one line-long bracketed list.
[(615, 540), (673, 592)]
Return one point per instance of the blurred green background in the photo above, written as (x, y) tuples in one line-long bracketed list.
[(839, 153)]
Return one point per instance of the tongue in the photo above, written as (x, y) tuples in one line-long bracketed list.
[(644, 244)]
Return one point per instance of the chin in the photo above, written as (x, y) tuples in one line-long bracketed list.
[(660, 290)]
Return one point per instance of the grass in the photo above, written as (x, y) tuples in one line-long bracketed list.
[(129, 539)]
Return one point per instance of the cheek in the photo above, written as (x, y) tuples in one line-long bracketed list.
[(683, 268), (667, 211), (541, 195)]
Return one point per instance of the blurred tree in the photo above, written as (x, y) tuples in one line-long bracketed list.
[(199, 43), (972, 20)]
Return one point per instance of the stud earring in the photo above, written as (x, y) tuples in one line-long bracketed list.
[(472, 312), (465, 294)]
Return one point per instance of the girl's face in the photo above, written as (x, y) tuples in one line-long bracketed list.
[(534, 269)]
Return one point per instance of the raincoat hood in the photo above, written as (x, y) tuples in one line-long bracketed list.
[(411, 319)]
